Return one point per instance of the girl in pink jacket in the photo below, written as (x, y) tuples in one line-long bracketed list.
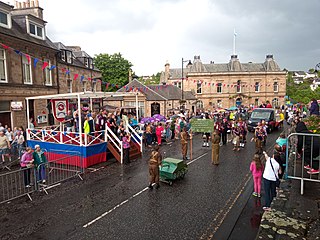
[(256, 169)]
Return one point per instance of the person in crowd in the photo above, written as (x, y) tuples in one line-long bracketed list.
[(148, 134), (153, 133), (168, 132), (177, 128), (25, 163), (24, 134), (69, 121), (154, 163), (314, 107), (40, 161), (125, 119), (159, 130), (308, 147), (256, 169), (126, 139), (224, 130), (91, 122), (121, 129), (236, 137), (19, 141), (281, 140), (9, 134), (172, 129), (215, 147), (270, 177), (4, 146), (31, 123), (184, 143), (281, 117)]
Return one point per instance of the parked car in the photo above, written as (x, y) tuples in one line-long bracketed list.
[(266, 114)]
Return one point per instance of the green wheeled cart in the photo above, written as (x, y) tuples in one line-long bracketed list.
[(172, 169)]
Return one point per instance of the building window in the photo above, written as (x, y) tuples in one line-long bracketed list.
[(219, 87), (256, 102), (5, 19), (26, 71), (69, 57), (199, 87), (36, 30), (275, 87), (179, 85), (132, 104), (88, 62), (69, 85), (238, 86), (199, 104), (257, 87), (47, 73), (3, 66), (63, 55)]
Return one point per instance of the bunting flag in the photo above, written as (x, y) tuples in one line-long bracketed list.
[(4, 46), (17, 52), (52, 67), (82, 77), (28, 58), (44, 65), (68, 72), (75, 76), (35, 61)]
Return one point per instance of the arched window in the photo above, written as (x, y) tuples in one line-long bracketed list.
[(238, 86), (199, 104)]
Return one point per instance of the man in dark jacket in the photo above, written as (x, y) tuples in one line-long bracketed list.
[(308, 147), (314, 108)]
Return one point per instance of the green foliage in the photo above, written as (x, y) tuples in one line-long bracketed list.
[(313, 123), (154, 79), (301, 92), (114, 68)]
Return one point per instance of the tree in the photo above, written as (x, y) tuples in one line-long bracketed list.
[(154, 79), (114, 68)]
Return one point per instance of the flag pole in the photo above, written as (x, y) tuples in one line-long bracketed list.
[(234, 41)]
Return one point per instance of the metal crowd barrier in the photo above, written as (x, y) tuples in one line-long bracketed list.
[(296, 162), (58, 168), (14, 185)]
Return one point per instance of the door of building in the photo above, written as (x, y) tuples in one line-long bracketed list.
[(5, 118), (155, 108)]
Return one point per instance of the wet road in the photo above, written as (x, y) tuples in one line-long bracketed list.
[(113, 202)]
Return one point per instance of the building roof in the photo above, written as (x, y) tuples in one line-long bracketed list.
[(17, 31), (158, 92), (234, 65)]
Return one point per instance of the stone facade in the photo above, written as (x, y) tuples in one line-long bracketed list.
[(16, 34), (230, 84)]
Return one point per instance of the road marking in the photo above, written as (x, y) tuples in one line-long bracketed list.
[(130, 198), (197, 158)]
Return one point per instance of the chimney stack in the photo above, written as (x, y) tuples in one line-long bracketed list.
[(32, 4), (37, 3)]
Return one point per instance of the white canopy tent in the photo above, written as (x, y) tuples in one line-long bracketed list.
[(81, 95)]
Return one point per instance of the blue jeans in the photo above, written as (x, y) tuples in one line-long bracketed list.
[(269, 191), (149, 138), (41, 172)]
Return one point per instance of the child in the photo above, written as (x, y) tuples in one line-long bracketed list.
[(257, 169)]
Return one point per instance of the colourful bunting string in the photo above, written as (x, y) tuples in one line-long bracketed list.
[(35, 61), (75, 76), (28, 58), (52, 67), (44, 65)]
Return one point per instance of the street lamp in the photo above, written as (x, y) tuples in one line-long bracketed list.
[(182, 78)]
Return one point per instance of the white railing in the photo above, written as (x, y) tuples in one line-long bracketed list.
[(110, 136), (72, 138), (136, 136)]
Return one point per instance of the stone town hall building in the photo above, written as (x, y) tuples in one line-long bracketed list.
[(229, 84)]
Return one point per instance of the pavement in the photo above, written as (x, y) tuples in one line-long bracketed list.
[(293, 216)]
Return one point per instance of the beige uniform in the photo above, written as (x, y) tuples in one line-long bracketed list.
[(184, 144), (154, 163), (215, 148)]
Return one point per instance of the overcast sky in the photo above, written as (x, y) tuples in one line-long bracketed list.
[(149, 33)]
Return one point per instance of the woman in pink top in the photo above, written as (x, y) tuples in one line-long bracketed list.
[(159, 131), (25, 163), (256, 169)]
